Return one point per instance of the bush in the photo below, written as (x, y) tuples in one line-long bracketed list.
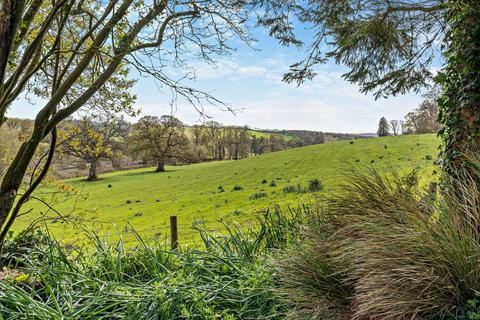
[(264, 181), (257, 195), (428, 157), (293, 189), (237, 188), (315, 185), (382, 248), (273, 184)]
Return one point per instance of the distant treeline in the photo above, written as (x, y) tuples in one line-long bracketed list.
[(108, 142)]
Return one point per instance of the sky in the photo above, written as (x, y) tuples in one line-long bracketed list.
[(249, 81)]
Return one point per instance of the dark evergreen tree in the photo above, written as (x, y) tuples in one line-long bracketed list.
[(383, 127)]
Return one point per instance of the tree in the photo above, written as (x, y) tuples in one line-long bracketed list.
[(91, 140), (411, 123), (425, 117), (85, 42), (388, 47), (275, 143), (395, 126), (383, 128), (159, 139), (460, 101), (238, 142), (214, 139)]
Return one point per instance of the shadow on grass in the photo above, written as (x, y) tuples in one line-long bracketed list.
[(150, 172)]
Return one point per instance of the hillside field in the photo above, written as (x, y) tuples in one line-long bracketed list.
[(145, 200)]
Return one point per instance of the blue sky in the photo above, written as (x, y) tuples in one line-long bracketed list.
[(250, 82)]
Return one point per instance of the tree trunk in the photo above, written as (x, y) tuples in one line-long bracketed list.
[(236, 152), (92, 171), (460, 102), (160, 166), (10, 15), (13, 177)]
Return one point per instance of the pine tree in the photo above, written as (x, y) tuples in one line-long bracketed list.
[(383, 127)]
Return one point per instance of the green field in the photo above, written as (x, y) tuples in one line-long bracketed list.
[(266, 135), (145, 200)]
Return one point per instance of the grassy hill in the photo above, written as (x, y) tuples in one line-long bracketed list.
[(145, 200)]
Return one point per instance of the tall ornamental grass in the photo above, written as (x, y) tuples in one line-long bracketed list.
[(383, 249)]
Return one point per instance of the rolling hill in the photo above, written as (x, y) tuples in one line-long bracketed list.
[(207, 192)]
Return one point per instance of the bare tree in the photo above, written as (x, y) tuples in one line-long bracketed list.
[(395, 126), (238, 142)]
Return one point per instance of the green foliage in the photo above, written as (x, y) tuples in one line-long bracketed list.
[(460, 79), (228, 279), (383, 248), (469, 311), (383, 128), (387, 46), (315, 185)]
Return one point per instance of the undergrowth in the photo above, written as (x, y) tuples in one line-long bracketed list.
[(228, 279)]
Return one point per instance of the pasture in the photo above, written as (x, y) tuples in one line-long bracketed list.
[(231, 190)]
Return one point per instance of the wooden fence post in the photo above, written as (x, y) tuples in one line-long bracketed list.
[(173, 233)]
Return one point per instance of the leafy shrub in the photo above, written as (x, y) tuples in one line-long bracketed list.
[(315, 185), (469, 311), (237, 188), (25, 244), (379, 250), (257, 195)]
